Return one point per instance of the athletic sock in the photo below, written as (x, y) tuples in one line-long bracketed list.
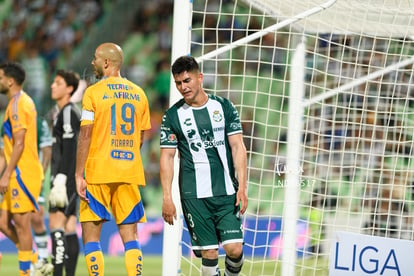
[(40, 240), (58, 251), (209, 267), (133, 258), (35, 257), (233, 266), (94, 258), (72, 253), (25, 260)]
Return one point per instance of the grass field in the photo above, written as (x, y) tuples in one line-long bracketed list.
[(114, 266)]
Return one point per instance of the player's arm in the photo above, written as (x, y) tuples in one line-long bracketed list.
[(166, 177), (45, 142), (46, 157), (142, 139), (238, 151), (2, 160), (2, 157), (84, 141), (18, 147)]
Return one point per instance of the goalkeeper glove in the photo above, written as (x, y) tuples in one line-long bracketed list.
[(57, 195)]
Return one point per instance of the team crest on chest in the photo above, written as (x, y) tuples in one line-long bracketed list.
[(217, 117)]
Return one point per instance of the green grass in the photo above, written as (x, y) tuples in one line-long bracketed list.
[(153, 267), (114, 266)]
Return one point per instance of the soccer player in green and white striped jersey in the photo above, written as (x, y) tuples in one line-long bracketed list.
[(207, 132)]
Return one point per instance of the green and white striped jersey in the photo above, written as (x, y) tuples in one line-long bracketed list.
[(200, 134)]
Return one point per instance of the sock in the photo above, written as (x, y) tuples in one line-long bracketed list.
[(233, 266), (58, 251), (41, 244), (25, 260), (209, 267), (133, 258), (35, 257), (72, 253), (94, 258)]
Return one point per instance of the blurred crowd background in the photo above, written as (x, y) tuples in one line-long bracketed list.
[(46, 35)]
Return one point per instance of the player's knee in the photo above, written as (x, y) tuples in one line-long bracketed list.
[(3, 221), (70, 226), (37, 222), (234, 250), (209, 254), (3, 227), (234, 265)]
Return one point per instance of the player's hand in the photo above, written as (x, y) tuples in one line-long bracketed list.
[(4, 185), (241, 198), (57, 196), (81, 187), (169, 212)]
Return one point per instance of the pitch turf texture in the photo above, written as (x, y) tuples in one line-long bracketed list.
[(114, 266)]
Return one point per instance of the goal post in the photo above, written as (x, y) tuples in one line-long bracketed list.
[(293, 171), (337, 157), (173, 233)]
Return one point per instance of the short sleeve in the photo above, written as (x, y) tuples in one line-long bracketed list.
[(233, 125), (88, 111), (168, 139), (22, 116)]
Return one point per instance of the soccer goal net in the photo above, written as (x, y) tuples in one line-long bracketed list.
[(329, 139)]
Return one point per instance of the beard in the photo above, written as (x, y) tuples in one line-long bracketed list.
[(98, 72), (4, 90)]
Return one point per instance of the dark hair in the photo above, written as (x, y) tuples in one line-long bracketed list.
[(184, 63), (71, 78), (15, 71)]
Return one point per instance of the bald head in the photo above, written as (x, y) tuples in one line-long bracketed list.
[(112, 52), (107, 60)]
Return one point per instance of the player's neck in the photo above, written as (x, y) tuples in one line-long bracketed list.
[(62, 102), (200, 100), (13, 91), (113, 72)]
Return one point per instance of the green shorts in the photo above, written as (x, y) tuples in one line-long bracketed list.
[(212, 220)]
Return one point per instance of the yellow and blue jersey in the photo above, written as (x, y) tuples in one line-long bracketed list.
[(21, 114), (27, 176), (119, 111)]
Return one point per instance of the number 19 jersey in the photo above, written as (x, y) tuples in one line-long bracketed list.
[(119, 111)]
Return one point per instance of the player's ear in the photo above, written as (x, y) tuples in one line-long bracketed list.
[(10, 82), (106, 62)]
